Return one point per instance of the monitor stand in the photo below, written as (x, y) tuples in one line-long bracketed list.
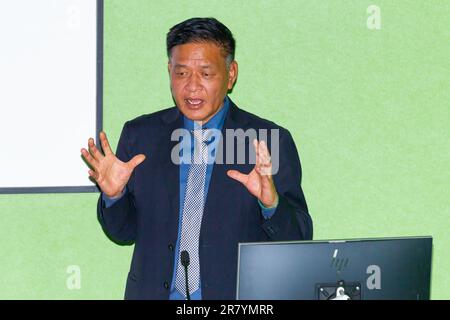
[(339, 291)]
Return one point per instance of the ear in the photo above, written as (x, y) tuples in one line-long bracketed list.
[(169, 67), (232, 74)]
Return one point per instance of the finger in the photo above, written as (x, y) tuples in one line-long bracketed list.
[(264, 154), (256, 146), (265, 171), (105, 144), (264, 168), (262, 158), (136, 160), (94, 151), (236, 175), (89, 159), (93, 174)]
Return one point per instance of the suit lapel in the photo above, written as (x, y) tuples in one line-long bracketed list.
[(171, 178)]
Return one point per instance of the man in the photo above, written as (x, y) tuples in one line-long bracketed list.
[(205, 206)]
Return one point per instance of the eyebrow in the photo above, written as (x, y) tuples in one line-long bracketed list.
[(206, 66)]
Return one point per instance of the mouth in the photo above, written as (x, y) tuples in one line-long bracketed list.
[(194, 104)]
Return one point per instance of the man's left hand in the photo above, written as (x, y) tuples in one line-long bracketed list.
[(259, 181)]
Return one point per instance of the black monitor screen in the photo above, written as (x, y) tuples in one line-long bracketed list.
[(391, 268)]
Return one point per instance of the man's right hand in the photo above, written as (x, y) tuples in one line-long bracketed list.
[(109, 172)]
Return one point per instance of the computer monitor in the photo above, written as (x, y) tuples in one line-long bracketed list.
[(369, 269)]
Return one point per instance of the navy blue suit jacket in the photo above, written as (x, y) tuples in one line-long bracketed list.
[(147, 216)]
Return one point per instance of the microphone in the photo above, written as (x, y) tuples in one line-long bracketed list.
[(185, 262)]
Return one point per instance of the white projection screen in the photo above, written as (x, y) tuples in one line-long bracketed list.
[(50, 93)]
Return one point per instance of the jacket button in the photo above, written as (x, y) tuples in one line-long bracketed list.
[(166, 285), (171, 247)]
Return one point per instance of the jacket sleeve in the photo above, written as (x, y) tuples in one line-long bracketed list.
[(119, 221), (291, 220)]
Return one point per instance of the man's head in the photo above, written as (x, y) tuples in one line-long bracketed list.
[(201, 66)]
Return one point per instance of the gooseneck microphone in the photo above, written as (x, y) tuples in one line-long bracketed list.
[(185, 262)]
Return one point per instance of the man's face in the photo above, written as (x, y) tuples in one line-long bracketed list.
[(199, 79)]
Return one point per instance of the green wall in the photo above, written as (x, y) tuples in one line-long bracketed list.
[(369, 111)]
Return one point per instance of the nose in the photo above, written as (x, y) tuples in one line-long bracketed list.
[(193, 83)]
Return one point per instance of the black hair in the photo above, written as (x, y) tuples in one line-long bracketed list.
[(202, 30)]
